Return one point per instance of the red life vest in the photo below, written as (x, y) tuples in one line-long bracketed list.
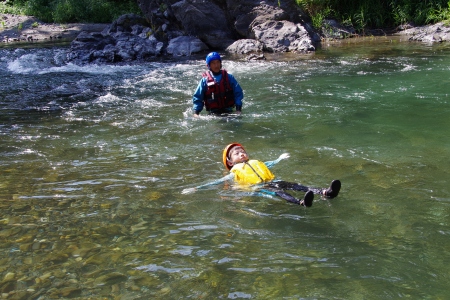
[(219, 95)]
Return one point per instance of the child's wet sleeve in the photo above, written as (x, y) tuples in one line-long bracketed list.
[(218, 181), (272, 163)]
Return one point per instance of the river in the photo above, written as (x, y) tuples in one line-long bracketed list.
[(94, 159)]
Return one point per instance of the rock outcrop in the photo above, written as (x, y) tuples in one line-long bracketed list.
[(185, 27), (244, 27), (429, 34)]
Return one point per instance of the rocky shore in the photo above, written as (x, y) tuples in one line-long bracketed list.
[(16, 29), (130, 37)]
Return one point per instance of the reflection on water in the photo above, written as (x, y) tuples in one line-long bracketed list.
[(94, 159)]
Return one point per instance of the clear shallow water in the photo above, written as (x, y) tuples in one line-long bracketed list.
[(94, 159)]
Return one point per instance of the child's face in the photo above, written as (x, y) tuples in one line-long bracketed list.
[(237, 155), (215, 65)]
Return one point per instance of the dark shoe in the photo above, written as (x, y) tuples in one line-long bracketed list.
[(334, 189), (308, 199)]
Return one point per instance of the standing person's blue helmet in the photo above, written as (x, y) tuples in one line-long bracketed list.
[(212, 56)]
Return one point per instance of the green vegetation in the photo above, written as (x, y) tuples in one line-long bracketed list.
[(7, 7), (377, 13), (66, 11), (360, 14)]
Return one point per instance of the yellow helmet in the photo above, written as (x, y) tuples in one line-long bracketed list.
[(226, 151)]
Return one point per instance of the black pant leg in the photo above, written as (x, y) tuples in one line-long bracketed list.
[(284, 185), (287, 197)]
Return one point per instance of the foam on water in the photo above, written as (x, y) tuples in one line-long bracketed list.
[(38, 63)]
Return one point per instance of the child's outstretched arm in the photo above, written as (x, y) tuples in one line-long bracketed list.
[(274, 162), (221, 180)]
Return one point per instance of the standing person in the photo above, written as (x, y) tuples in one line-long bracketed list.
[(245, 171), (217, 91)]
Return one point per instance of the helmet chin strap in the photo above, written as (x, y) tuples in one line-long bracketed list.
[(232, 163)]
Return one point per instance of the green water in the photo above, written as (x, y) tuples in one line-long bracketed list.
[(94, 159)]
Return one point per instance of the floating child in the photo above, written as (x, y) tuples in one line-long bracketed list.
[(246, 171)]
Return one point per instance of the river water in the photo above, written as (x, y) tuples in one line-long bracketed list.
[(94, 159)]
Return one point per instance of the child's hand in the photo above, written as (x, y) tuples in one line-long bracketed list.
[(284, 156), (188, 191)]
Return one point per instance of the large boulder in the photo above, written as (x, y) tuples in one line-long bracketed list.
[(283, 36), (220, 23), (205, 20), (184, 27), (428, 34), (252, 13), (185, 46), (127, 39), (246, 46)]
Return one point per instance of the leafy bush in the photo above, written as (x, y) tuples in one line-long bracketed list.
[(98, 11), (359, 13), (377, 13), (41, 9), (66, 11), (8, 7)]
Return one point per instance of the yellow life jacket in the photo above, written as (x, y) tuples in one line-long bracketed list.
[(251, 172)]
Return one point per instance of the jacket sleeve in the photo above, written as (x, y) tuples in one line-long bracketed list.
[(198, 96), (237, 90), (218, 181), (272, 163)]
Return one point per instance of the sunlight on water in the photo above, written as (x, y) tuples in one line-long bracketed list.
[(94, 159)]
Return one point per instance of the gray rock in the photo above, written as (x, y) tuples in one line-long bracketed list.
[(185, 46), (283, 36), (245, 46), (428, 34), (332, 29), (190, 26), (205, 20), (219, 23), (126, 39)]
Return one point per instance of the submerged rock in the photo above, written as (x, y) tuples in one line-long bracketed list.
[(110, 278)]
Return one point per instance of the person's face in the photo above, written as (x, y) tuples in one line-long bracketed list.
[(215, 65), (237, 155)]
